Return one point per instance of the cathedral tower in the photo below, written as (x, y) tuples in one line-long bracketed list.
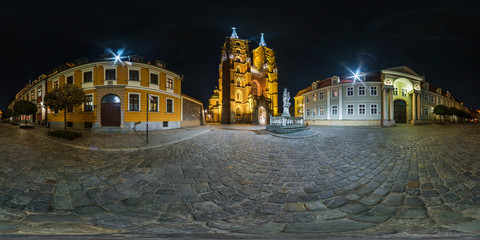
[(245, 90)]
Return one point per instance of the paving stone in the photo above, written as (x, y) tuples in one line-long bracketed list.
[(473, 226), (449, 217), (270, 208), (450, 197), (335, 202), (394, 199), (91, 209), (294, 207), (414, 201), (329, 214), (294, 217), (316, 205), (327, 227), (412, 212), (370, 217), (370, 201)]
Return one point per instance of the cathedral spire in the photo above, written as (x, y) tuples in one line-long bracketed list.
[(262, 42), (234, 34)]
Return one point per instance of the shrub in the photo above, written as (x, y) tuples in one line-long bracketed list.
[(441, 110), (65, 134)]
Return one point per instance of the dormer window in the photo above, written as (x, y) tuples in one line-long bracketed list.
[(335, 80)]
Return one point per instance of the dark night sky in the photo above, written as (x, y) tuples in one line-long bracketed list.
[(312, 40)]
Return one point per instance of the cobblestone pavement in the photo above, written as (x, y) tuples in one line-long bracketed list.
[(237, 179)]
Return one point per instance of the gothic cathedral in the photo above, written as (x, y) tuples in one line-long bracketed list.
[(247, 93)]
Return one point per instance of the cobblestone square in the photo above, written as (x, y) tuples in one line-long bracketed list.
[(240, 180)]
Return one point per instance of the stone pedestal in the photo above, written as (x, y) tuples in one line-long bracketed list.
[(388, 123)]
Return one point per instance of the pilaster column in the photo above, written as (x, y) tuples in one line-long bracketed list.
[(328, 104), (419, 110), (390, 99), (340, 103), (414, 106), (384, 104)]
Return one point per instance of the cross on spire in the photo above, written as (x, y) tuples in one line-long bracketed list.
[(262, 42), (234, 34)]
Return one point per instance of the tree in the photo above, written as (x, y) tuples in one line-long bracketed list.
[(8, 114), (25, 108), (66, 97), (441, 110)]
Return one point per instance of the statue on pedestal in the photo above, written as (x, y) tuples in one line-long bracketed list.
[(286, 103)]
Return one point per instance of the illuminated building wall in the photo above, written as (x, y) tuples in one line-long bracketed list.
[(247, 93), (117, 95), (396, 95)]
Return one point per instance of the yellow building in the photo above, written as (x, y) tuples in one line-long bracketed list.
[(119, 93), (247, 93), (299, 102)]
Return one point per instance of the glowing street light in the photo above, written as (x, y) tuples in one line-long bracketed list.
[(117, 57)]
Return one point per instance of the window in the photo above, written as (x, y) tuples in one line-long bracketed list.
[(110, 74), (321, 111), (373, 91), (334, 93), (432, 98), (153, 103), (87, 125), (425, 112), (133, 75), (361, 91), (334, 110), (169, 105), (373, 109), (154, 78), (395, 91), (404, 92), (134, 102), (238, 83), (88, 76), (350, 109), (425, 97), (321, 96), (39, 91), (32, 95), (314, 98), (314, 111), (165, 123), (308, 112), (70, 124), (88, 105), (170, 83), (70, 80), (307, 99), (55, 85), (350, 91), (361, 109)]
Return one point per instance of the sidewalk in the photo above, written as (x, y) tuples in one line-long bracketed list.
[(123, 141)]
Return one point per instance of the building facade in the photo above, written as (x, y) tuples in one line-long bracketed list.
[(395, 95), (118, 94), (247, 85)]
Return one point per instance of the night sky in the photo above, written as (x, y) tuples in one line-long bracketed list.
[(312, 40)]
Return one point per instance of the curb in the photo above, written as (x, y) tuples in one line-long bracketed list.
[(93, 148)]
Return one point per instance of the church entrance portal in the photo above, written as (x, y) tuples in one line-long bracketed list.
[(262, 115), (400, 111)]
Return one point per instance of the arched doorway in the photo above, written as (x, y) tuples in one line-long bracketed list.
[(262, 116), (110, 111), (400, 111)]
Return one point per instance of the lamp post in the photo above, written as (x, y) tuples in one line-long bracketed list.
[(148, 103)]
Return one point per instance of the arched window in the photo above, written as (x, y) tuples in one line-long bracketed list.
[(238, 83), (237, 59), (238, 96), (238, 112), (238, 69), (254, 88)]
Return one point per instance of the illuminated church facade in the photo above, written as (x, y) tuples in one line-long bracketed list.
[(247, 85)]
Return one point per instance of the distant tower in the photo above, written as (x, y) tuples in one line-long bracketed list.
[(264, 61), (245, 90)]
